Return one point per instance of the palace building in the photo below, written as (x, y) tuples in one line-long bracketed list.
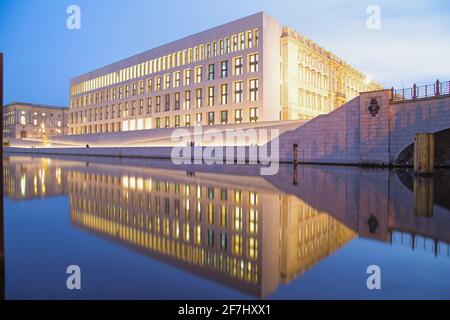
[(33, 121), (249, 70)]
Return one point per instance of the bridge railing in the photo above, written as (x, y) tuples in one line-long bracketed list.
[(421, 92)]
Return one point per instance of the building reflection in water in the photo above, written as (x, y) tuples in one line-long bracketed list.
[(245, 231)]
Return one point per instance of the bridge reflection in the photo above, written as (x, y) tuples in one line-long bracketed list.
[(227, 223)]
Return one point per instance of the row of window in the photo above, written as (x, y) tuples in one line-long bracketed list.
[(167, 122), (234, 43), (164, 103), (166, 81)]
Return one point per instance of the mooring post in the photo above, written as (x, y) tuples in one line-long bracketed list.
[(438, 87), (424, 154), (295, 155), (415, 91)]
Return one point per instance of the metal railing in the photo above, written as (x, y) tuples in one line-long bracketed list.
[(421, 92)]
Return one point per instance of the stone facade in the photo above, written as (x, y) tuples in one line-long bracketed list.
[(249, 70), (33, 121)]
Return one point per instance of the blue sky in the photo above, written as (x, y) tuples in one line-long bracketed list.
[(41, 54)]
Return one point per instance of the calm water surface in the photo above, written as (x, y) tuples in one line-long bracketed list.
[(150, 230)]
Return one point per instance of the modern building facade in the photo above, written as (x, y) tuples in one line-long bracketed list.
[(33, 121), (246, 71)]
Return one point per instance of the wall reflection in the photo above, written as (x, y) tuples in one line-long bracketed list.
[(230, 225)]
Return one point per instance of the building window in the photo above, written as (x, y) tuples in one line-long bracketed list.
[(238, 92), (125, 111), (167, 102), (224, 117), (158, 83), (167, 81), (224, 94), (256, 37), (253, 63), (141, 87), (250, 39), (187, 120), (177, 79), (242, 41), (133, 108), (127, 91), (235, 43), (253, 114), (211, 72), (227, 45), (238, 66), (187, 77), (166, 122), (221, 47), (198, 74), (211, 118), (134, 89), (199, 98), (198, 118), (223, 241), (252, 248), (158, 123), (177, 121), (253, 90), (224, 69), (120, 92), (238, 116), (113, 109), (149, 105), (141, 107), (158, 104), (177, 101), (210, 96), (149, 86), (187, 99)]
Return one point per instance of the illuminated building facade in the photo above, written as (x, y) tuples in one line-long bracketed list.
[(33, 121), (230, 74)]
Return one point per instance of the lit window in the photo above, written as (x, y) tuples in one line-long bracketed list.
[(253, 114), (224, 94), (253, 63), (238, 116), (211, 72), (224, 69), (198, 74), (210, 96), (238, 66), (238, 92), (253, 90)]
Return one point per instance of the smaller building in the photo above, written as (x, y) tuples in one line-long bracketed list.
[(33, 121)]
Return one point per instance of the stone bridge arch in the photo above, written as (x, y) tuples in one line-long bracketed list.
[(442, 150)]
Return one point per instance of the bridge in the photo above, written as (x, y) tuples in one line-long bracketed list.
[(376, 128)]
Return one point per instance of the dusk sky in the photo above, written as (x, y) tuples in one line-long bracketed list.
[(41, 54)]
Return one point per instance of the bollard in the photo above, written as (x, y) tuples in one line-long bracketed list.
[(423, 196), (424, 154), (295, 155)]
